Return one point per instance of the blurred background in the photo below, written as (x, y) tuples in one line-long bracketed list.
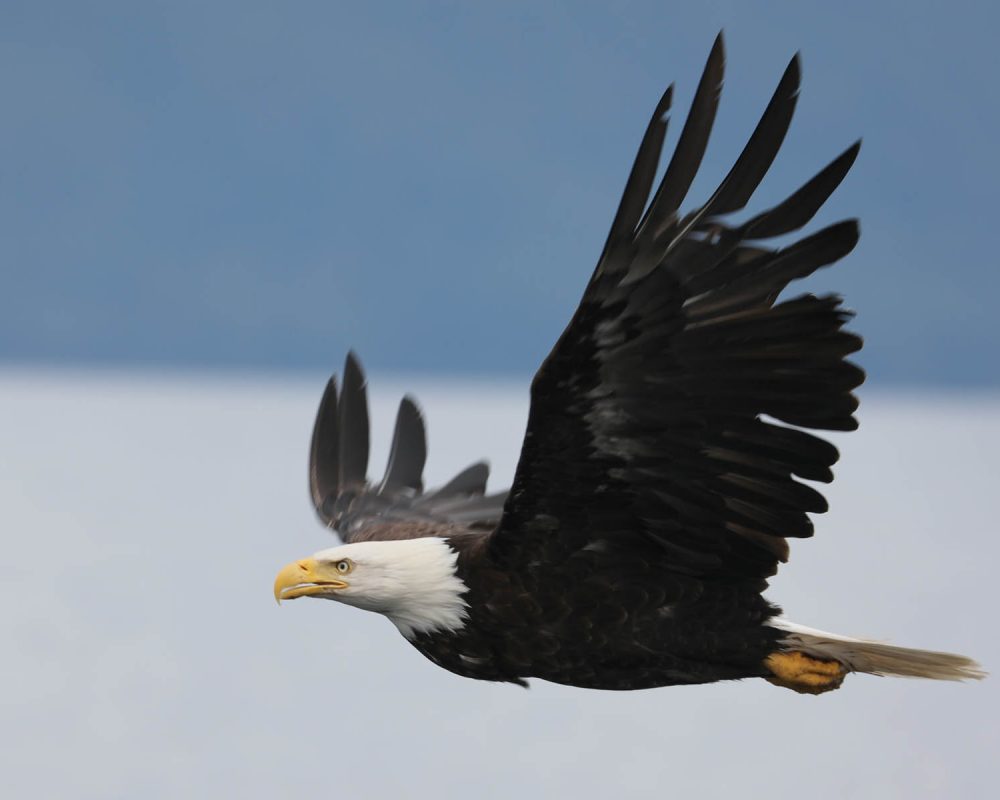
[(203, 206)]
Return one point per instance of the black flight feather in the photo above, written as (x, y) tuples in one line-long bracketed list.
[(324, 452), (801, 206), (470, 482), (760, 151), (693, 140), (408, 451), (640, 179), (353, 426)]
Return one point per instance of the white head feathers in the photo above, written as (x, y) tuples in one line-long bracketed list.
[(411, 581)]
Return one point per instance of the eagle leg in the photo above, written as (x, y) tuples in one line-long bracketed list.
[(804, 674)]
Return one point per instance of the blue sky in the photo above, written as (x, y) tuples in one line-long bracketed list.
[(263, 185)]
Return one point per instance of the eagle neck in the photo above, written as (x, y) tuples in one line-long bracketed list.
[(431, 596)]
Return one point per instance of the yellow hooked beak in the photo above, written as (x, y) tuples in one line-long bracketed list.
[(306, 578)]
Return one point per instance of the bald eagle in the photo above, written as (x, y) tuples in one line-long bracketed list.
[(661, 471)]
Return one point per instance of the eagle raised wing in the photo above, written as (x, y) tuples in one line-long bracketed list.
[(668, 417), (396, 508)]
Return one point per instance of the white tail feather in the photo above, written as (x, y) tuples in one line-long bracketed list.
[(876, 658)]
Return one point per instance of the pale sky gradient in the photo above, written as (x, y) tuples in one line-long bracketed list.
[(259, 184), (144, 656)]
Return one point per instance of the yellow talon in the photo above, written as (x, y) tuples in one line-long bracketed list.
[(804, 674)]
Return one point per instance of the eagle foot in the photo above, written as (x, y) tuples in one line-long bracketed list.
[(804, 674)]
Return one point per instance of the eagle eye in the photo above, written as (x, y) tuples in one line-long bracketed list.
[(343, 566)]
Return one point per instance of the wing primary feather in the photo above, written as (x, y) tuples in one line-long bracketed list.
[(324, 451), (691, 145), (640, 180), (353, 425), (470, 482), (408, 452), (765, 280), (801, 206), (736, 189)]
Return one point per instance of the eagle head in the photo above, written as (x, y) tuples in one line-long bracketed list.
[(414, 582)]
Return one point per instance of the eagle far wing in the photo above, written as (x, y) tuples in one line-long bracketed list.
[(397, 507), (647, 427)]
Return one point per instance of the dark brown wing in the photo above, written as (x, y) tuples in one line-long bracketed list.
[(396, 508), (668, 416)]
